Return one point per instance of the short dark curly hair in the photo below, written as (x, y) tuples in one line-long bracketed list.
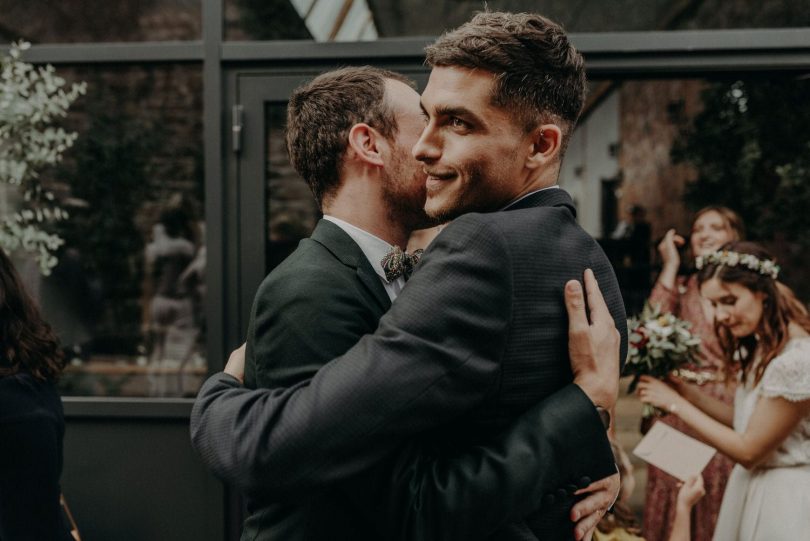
[(321, 113), (28, 342), (540, 76)]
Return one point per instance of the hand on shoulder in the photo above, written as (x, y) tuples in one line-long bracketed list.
[(594, 345)]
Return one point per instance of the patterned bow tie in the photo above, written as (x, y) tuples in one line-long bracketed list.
[(397, 263)]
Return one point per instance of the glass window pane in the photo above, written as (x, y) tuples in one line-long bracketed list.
[(647, 154), (127, 298), (90, 21), (360, 20), (291, 208)]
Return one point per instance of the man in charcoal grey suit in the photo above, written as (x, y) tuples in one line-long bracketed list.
[(476, 340)]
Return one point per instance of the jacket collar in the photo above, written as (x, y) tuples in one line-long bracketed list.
[(545, 198), (345, 250)]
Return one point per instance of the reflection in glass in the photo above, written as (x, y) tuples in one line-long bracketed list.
[(91, 21), (127, 297), (647, 154), (358, 20), (174, 291), (291, 209)]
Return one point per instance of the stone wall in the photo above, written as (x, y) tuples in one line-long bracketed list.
[(651, 114)]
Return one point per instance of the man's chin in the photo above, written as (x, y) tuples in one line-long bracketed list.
[(437, 208), (443, 214)]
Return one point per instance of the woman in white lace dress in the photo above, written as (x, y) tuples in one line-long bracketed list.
[(759, 322)]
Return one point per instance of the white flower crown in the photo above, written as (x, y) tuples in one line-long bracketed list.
[(766, 267)]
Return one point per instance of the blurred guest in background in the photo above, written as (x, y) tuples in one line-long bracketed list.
[(621, 525), (677, 292), (629, 247), (31, 422)]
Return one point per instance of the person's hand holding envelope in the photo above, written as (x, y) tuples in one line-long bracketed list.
[(674, 452)]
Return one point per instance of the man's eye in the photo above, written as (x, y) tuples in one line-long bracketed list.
[(458, 123)]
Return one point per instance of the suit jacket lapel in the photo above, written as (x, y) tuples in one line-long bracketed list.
[(554, 197), (341, 245)]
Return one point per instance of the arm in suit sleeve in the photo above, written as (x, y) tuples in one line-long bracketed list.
[(558, 443), (434, 356)]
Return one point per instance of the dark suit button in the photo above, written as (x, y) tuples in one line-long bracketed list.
[(585, 481), (562, 494), (548, 499), (571, 489)]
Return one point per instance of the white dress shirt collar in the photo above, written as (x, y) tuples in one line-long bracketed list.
[(374, 248)]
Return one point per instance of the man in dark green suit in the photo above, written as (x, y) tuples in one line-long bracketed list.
[(331, 290), (318, 303)]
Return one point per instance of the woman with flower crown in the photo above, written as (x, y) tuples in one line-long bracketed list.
[(677, 292), (760, 324)]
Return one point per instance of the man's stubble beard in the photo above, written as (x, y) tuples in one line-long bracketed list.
[(476, 195), (403, 200)]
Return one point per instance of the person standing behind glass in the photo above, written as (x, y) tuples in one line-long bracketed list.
[(712, 227), (32, 425)]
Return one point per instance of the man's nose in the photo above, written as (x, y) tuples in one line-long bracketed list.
[(426, 148)]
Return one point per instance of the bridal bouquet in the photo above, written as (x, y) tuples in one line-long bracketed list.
[(659, 344)]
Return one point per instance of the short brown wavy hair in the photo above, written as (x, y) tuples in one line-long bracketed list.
[(540, 76), (28, 342), (321, 113)]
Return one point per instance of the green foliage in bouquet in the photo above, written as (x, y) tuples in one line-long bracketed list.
[(31, 100), (659, 344)]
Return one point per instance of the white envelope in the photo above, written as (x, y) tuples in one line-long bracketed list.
[(673, 451)]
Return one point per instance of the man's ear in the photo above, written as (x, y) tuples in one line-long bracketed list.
[(364, 142), (546, 141)]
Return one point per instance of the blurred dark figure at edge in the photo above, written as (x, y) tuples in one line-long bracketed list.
[(630, 256), (31, 421)]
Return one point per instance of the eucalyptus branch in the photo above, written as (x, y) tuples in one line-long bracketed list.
[(32, 100)]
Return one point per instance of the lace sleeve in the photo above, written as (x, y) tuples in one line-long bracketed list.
[(788, 375)]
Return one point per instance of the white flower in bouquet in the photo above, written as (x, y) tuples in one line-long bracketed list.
[(659, 344)]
